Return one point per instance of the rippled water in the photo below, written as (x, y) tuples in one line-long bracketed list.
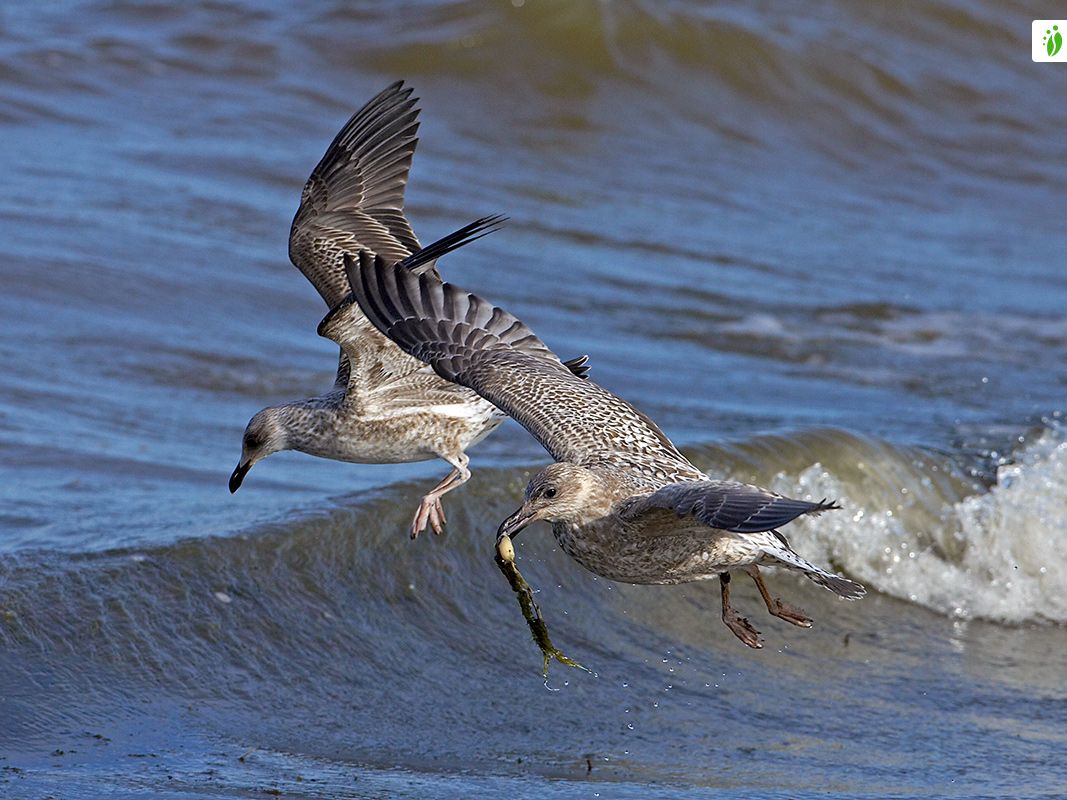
[(822, 245)]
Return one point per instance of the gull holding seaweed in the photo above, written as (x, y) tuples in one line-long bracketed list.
[(622, 500)]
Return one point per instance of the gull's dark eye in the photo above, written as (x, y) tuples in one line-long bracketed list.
[(550, 492)]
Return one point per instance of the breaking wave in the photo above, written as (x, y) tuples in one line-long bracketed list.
[(921, 531)]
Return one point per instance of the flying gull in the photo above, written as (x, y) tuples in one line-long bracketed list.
[(385, 406), (622, 500)]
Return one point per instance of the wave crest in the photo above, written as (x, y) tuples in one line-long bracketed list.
[(991, 555)]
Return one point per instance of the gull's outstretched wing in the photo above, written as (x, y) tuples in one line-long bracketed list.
[(368, 359), (469, 341), (725, 505), (354, 199)]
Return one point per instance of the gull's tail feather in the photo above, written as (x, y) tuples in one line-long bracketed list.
[(786, 557), (842, 587)]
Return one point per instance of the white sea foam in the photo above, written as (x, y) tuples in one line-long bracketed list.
[(999, 555)]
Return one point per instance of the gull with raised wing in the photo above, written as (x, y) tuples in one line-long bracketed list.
[(622, 500), (385, 406)]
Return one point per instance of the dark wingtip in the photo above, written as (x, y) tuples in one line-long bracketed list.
[(446, 244), (825, 505), (578, 366), (394, 89), (404, 93)]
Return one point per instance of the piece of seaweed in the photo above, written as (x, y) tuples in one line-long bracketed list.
[(505, 560)]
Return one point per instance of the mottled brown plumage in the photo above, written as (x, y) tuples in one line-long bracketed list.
[(624, 502)]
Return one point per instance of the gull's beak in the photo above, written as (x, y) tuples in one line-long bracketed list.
[(239, 475), (515, 523)]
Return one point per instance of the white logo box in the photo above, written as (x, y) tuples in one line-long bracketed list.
[(1043, 30)]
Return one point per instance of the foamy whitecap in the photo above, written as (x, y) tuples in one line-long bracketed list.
[(996, 555)]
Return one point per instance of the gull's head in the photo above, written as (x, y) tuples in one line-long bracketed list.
[(560, 492), (265, 434)]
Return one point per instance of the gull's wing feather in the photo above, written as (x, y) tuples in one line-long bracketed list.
[(368, 359), (725, 505), (469, 341), (354, 198)]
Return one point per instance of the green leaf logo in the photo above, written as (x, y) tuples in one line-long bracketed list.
[(1053, 41)]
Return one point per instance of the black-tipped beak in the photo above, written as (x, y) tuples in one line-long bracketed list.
[(239, 475), (515, 523)]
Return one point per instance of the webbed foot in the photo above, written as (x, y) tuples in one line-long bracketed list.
[(430, 512), (742, 629), (790, 614)]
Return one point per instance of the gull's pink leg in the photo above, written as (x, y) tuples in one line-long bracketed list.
[(430, 510)]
